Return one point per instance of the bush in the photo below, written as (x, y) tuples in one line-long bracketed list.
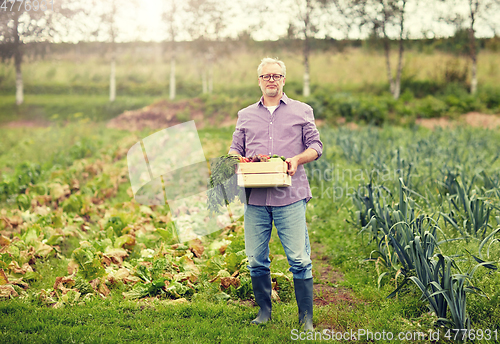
[(420, 88), (324, 103), (223, 106), (449, 99), (373, 110), (490, 97), (431, 107), (454, 89), (293, 88), (464, 104), (347, 108)]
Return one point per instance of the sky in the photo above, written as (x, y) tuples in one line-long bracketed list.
[(420, 21), (142, 20)]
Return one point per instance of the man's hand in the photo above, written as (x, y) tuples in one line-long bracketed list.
[(233, 152), (306, 156), (293, 163)]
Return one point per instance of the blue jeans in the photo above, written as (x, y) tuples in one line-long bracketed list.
[(290, 221)]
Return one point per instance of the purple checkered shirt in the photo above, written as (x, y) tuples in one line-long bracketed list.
[(288, 131)]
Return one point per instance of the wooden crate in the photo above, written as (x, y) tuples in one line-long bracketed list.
[(263, 174)]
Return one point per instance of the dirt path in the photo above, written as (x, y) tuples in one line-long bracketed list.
[(327, 290), (25, 124), (164, 114)]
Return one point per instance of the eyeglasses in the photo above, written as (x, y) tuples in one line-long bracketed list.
[(267, 77)]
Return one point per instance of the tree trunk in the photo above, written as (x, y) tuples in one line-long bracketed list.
[(112, 81), (172, 77), (210, 78), (204, 80), (169, 17), (397, 84), (112, 77), (387, 50), (473, 57), (19, 79), (18, 58), (473, 81), (306, 92)]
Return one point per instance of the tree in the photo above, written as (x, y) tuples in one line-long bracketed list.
[(170, 16), (478, 12), (28, 21), (207, 20), (308, 12), (110, 18), (107, 14), (343, 16), (383, 17), (103, 17)]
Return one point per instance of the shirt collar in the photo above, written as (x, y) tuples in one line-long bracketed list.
[(283, 99)]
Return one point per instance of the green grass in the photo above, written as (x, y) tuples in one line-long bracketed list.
[(115, 321), (48, 146), (58, 108)]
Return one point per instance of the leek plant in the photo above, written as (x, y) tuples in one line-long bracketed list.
[(472, 213), (447, 291), (440, 181)]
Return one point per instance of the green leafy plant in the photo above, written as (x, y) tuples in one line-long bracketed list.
[(89, 261), (222, 185)]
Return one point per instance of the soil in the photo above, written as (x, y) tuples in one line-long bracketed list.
[(326, 289), (341, 121), (26, 124), (164, 114), (473, 119)]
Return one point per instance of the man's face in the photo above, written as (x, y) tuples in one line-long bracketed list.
[(272, 88)]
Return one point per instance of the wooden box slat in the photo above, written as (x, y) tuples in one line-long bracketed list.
[(264, 180), (263, 167)]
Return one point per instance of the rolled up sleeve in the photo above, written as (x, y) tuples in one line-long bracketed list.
[(310, 133), (238, 143)]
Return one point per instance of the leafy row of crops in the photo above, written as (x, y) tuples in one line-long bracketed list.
[(81, 215), (429, 203)]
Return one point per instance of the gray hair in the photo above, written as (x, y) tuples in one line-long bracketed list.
[(267, 60)]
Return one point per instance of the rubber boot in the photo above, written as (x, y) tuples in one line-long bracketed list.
[(262, 289), (304, 296)]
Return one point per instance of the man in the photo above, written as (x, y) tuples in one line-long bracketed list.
[(278, 125)]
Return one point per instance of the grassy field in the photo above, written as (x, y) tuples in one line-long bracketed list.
[(62, 108), (91, 163), (351, 70)]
